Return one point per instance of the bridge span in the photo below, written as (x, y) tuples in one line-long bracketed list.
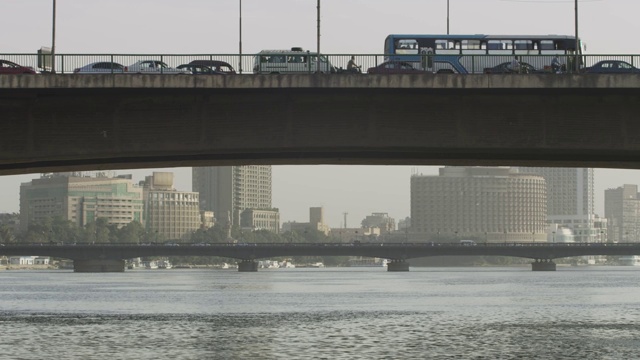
[(89, 122), (111, 258)]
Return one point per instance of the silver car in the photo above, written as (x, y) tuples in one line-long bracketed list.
[(153, 67)]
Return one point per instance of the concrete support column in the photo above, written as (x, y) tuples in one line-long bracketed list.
[(98, 265), (397, 265), (247, 266), (543, 265)]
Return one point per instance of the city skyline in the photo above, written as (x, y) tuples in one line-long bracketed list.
[(294, 190), (358, 190)]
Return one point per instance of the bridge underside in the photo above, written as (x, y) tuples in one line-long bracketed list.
[(80, 129), (98, 265)]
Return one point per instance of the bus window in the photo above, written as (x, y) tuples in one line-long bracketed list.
[(547, 45), (494, 45), (407, 46), (500, 45), (470, 44), (523, 45), (277, 59), (441, 44)]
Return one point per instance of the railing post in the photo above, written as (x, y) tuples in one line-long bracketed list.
[(161, 68), (112, 64), (473, 64)]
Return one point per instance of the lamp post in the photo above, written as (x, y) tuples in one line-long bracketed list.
[(318, 43), (240, 37), (554, 236), (533, 237), (53, 40), (448, 17), (576, 65)]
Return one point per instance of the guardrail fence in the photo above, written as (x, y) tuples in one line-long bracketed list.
[(337, 63)]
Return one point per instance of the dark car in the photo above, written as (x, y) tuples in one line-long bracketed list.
[(210, 67), (505, 68), (612, 67), (103, 67), (8, 67), (395, 67)]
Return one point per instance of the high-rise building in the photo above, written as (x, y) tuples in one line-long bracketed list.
[(170, 214), (81, 199), (382, 221), (488, 204), (622, 210), (229, 190), (570, 200)]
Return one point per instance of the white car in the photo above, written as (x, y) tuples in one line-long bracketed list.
[(104, 67), (153, 67)]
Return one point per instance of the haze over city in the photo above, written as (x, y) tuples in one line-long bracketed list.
[(495, 264), (347, 27)]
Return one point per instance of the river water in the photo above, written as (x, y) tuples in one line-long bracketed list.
[(356, 313)]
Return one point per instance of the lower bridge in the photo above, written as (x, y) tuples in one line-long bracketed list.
[(111, 257)]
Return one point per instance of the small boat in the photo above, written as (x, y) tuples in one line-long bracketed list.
[(633, 260), (150, 265), (367, 262)]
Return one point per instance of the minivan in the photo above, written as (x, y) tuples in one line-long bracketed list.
[(294, 61)]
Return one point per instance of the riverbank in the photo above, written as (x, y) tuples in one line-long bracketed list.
[(29, 267)]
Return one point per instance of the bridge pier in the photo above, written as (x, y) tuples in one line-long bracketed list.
[(543, 265), (98, 265), (397, 265), (247, 266)]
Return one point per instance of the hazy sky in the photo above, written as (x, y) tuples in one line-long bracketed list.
[(348, 26)]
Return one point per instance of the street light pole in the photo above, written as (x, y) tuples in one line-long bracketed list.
[(240, 38), (318, 43), (447, 17), (53, 40), (576, 65)]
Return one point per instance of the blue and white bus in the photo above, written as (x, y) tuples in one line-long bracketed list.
[(471, 54)]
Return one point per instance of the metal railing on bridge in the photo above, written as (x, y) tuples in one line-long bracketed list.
[(472, 64), (340, 244)]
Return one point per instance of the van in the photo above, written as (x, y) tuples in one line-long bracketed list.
[(467, 243), (294, 61)]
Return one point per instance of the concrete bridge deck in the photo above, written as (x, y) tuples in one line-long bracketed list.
[(87, 122), (249, 252)]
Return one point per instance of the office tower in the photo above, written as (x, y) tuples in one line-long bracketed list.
[(570, 200), (170, 214), (492, 204), (81, 199), (230, 190), (622, 210)]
